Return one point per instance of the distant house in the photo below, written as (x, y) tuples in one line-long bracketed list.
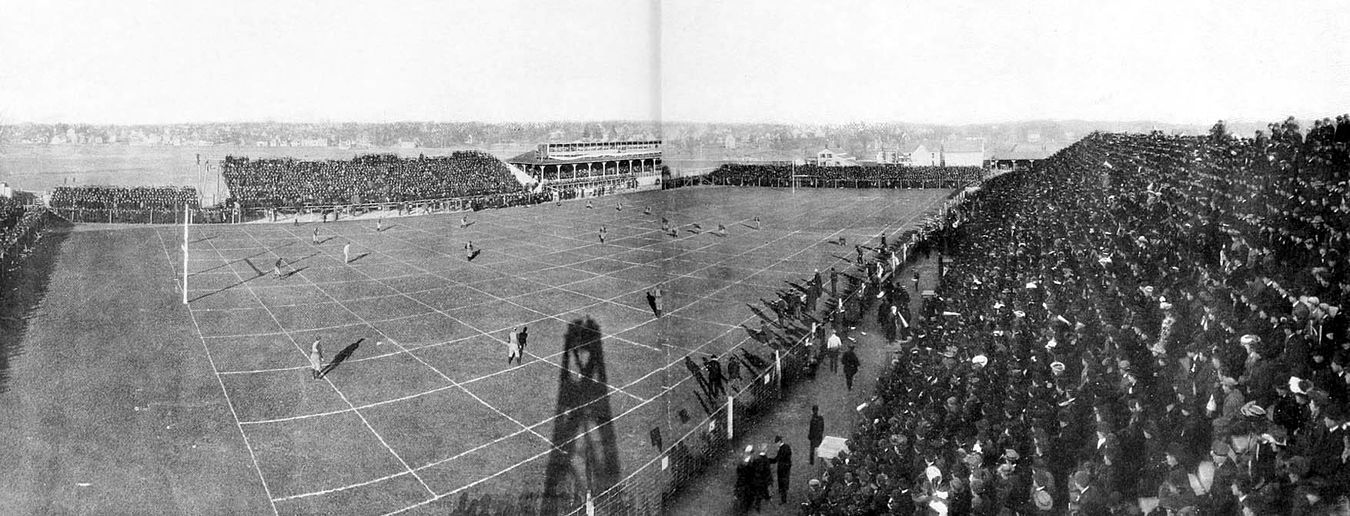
[(919, 155), (968, 153), (828, 157)]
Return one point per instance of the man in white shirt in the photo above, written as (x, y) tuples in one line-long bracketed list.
[(832, 347)]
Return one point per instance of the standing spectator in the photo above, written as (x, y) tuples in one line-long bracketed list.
[(832, 347), (815, 433), (745, 481), (763, 476), (316, 360), (783, 460), (715, 381), (733, 372), (851, 364)]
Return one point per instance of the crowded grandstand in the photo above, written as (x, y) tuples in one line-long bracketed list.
[(1140, 317), (257, 183), (860, 176)]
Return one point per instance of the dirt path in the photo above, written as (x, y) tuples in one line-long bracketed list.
[(712, 494)]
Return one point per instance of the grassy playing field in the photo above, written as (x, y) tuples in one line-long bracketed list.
[(125, 399)]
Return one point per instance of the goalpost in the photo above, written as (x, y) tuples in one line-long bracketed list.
[(187, 218)]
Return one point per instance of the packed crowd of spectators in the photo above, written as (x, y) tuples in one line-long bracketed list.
[(124, 198), (1139, 320), (256, 183), (20, 228), (882, 176)]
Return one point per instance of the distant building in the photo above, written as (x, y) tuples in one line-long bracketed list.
[(828, 157), (890, 157), (6, 191), (968, 153), (920, 155), (729, 142)]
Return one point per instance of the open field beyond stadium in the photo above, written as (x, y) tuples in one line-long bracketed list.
[(124, 399)]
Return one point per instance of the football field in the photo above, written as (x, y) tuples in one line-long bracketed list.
[(418, 404)]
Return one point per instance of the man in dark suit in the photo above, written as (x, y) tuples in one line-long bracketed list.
[(762, 477), (815, 434), (745, 480), (851, 363), (783, 461)]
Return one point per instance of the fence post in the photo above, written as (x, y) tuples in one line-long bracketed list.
[(731, 411), (778, 366)]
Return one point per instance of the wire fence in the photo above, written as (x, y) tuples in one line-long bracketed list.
[(648, 489)]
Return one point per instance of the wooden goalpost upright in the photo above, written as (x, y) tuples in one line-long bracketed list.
[(187, 218)]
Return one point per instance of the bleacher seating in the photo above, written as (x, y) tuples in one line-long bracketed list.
[(1138, 317), (122, 197), (371, 178), (869, 175)]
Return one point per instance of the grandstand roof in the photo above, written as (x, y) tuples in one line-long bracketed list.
[(532, 158), (1026, 151), (963, 146)]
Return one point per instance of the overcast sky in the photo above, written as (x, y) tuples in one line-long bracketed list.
[(140, 61)]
